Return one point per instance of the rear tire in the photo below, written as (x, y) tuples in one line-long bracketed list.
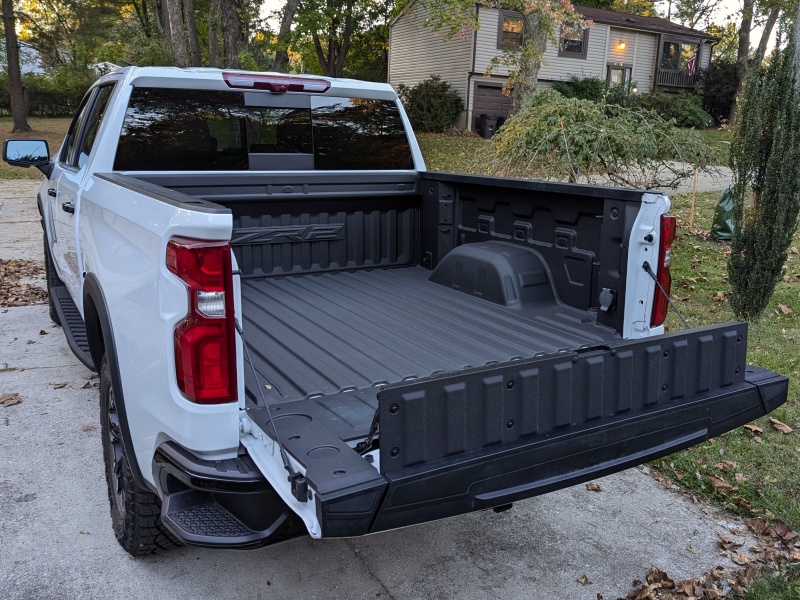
[(135, 511), (53, 281)]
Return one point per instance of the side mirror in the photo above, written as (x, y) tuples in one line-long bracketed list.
[(28, 153)]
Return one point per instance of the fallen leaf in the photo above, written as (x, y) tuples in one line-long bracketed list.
[(593, 487), (43, 332), (720, 485), (740, 559), (740, 478), (782, 427), (689, 587), (757, 525), (712, 594), (9, 400), (58, 386), (753, 428), (726, 466), (757, 439), (787, 310), (584, 580), (719, 296), (794, 250), (31, 342), (84, 533), (656, 575), (87, 385), (728, 543)]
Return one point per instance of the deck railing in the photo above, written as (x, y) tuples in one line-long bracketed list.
[(676, 78)]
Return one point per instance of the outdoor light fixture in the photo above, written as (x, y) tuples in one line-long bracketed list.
[(621, 45)]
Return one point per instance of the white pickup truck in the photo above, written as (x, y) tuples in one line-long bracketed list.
[(299, 330)]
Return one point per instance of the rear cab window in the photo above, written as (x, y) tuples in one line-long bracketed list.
[(201, 130)]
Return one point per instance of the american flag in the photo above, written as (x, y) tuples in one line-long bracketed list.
[(691, 66)]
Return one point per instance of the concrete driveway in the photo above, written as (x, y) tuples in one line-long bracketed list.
[(56, 539)]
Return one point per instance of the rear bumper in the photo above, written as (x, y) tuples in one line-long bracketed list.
[(230, 504), (498, 475)]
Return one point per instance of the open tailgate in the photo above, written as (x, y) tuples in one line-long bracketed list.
[(476, 439)]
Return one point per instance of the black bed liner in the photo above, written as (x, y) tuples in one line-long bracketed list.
[(329, 333)]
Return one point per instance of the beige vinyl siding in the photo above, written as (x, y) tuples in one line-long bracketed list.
[(555, 67), (705, 56), (416, 53), (486, 48), (623, 56), (644, 62)]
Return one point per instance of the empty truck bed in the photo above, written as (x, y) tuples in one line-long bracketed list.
[(323, 334)]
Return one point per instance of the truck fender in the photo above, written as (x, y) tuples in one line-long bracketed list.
[(100, 335)]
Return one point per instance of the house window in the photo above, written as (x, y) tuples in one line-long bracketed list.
[(573, 41), (678, 56), (509, 33)]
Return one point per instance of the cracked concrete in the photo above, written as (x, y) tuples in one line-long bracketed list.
[(57, 541)]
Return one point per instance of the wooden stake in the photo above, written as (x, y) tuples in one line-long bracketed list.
[(694, 190)]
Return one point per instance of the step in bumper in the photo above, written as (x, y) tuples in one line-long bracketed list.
[(221, 504)]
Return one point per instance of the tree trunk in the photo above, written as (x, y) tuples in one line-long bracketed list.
[(19, 104), (161, 18), (284, 33), (769, 25), (742, 54), (530, 63), (213, 33), (191, 32), (232, 33), (797, 45), (177, 33)]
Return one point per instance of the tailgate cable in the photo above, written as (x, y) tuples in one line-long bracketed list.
[(299, 484), (649, 270), (366, 445)]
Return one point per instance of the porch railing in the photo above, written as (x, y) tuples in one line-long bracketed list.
[(676, 78)]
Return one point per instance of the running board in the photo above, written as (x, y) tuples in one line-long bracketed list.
[(73, 325)]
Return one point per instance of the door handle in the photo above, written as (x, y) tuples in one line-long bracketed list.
[(68, 207), (52, 192)]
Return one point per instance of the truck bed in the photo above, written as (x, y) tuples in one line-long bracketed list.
[(327, 333)]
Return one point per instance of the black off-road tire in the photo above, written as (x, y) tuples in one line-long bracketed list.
[(135, 511), (52, 280)]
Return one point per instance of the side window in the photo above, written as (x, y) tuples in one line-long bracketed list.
[(74, 132), (93, 121)]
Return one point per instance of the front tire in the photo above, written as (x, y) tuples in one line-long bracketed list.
[(135, 511)]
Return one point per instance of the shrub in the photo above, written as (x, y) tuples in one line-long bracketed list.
[(718, 88), (623, 95), (583, 88), (685, 109), (431, 105), (765, 157), (567, 138), (56, 94)]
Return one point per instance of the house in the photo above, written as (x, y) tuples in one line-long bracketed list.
[(620, 49)]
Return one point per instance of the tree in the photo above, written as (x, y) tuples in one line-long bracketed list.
[(284, 35), (694, 13), (234, 32), (643, 8), (19, 105), (765, 158), (543, 20), (332, 25)]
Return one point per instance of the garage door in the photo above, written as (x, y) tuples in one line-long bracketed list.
[(491, 101)]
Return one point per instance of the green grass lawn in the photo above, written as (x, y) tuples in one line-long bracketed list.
[(767, 463), (720, 142), (52, 130)]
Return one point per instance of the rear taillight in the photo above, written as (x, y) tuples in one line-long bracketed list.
[(205, 348), (278, 84), (660, 303)]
